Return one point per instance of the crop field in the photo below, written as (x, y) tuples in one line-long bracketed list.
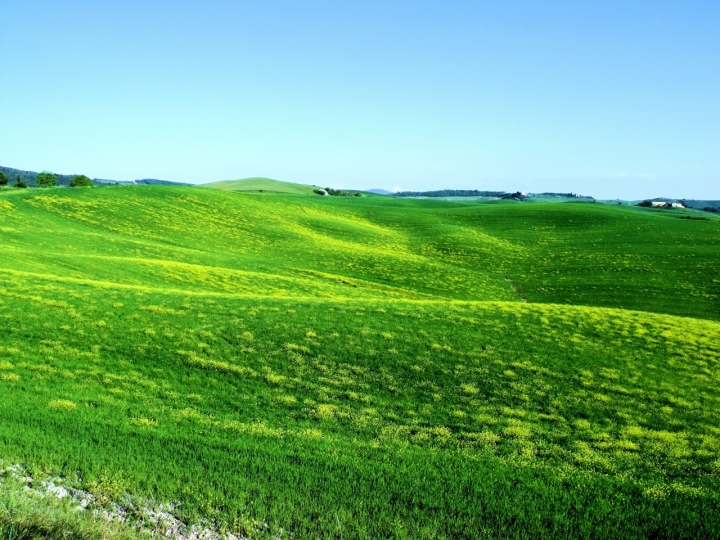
[(288, 366)]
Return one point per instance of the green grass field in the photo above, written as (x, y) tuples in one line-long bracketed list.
[(330, 367)]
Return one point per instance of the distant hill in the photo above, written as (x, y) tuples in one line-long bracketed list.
[(380, 191), (146, 181), (260, 184), (451, 193), (64, 179), (444, 193), (708, 206)]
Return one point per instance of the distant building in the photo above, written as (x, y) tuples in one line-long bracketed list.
[(662, 204)]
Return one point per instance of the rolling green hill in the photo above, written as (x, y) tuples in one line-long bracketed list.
[(322, 367), (261, 185)]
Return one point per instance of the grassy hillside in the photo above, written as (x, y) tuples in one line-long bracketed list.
[(261, 184), (320, 367)]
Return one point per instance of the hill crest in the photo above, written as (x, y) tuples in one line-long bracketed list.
[(261, 184)]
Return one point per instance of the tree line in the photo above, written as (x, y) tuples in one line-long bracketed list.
[(45, 179)]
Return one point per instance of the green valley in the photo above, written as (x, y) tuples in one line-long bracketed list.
[(292, 366)]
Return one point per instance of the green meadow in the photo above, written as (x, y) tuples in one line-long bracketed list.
[(294, 366)]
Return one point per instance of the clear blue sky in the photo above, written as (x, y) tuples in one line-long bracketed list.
[(609, 98)]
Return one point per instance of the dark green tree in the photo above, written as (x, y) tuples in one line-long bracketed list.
[(3, 179), (19, 182), (46, 179), (80, 180)]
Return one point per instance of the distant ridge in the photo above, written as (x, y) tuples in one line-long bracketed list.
[(261, 185), (64, 179), (518, 195), (146, 181), (707, 206), (451, 193), (380, 191)]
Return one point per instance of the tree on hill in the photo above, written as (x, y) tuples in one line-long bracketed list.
[(46, 179), (3, 179), (80, 180), (339, 193), (19, 182)]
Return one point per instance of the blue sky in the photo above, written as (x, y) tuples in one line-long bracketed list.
[(612, 99)]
